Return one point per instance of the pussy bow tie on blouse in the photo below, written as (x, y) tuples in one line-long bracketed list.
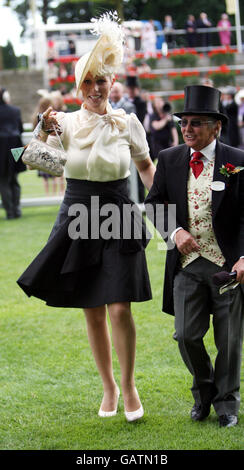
[(101, 132)]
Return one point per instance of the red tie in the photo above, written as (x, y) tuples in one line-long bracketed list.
[(196, 164)]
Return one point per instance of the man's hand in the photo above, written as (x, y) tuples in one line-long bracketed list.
[(185, 242), (239, 268)]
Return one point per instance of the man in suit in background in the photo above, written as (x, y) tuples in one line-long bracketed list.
[(209, 238), (118, 99), (10, 137), (230, 134)]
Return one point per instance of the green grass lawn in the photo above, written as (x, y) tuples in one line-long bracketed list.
[(49, 387), (32, 185)]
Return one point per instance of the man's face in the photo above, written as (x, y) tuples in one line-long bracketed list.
[(200, 136), (116, 93)]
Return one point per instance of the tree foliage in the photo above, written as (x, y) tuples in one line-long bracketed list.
[(77, 11), (8, 56), (23, 9), (178, 9)]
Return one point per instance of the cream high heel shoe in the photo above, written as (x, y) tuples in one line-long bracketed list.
[(108, 414), (134, 415)]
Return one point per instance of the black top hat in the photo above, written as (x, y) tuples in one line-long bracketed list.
[(202, 100), (132, 81)]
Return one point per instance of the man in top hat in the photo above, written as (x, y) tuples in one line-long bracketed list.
[(209, 238)]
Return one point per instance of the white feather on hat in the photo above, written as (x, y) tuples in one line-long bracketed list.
[(107, 54)]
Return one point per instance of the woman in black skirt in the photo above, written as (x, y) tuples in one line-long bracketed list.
[(81, 265)]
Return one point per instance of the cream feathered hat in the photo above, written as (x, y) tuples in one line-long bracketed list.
[(107, 55)]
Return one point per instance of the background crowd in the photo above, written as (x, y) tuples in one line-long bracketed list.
[(192, 27), (152, 34)]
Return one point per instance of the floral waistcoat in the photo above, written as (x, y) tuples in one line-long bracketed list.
[(200, 217)]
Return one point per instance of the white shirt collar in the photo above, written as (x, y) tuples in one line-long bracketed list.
[(208, 151)]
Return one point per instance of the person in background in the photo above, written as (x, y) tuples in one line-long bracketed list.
[(51, 49), (136, 33), (191, 28), (118, 99), (204, 23), (206, 81), (53, 70), (52, 184), (148, 39), (72, 47), (224, 26), (207, 237), (230, 133), (49, 181), (10, 137), (134, 94), (168, 27), (63, 72), (163, 130), (98, 272), (239, 99), (57, 100)]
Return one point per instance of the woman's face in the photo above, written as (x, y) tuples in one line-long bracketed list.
[(95, 92), (158, 103)]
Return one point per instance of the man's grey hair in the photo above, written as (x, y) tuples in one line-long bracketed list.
[(212, 123)]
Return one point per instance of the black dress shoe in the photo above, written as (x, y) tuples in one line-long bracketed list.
[(228, 421), (200, 411)]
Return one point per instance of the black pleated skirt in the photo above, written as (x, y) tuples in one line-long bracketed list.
[(80, 268)]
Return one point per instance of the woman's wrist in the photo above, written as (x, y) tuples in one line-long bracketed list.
[(39, 133)]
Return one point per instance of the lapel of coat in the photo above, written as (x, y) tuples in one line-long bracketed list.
[(220, 159), (180, 180)]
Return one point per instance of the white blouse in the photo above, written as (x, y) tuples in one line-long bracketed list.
[(100, 147)]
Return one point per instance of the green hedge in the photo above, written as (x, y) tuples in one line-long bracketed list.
[(184, 60), (227, 58)]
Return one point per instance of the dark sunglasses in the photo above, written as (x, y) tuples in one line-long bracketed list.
[(193, 122)]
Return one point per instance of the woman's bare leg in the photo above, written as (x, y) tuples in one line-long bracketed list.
[(124, 339), (100, 342)]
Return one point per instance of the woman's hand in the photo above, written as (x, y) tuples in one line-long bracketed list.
[(50, 120)]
